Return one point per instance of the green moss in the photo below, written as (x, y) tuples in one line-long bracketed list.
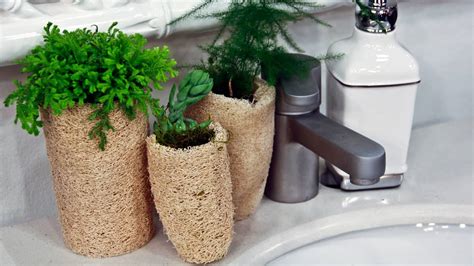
[(189, 138)]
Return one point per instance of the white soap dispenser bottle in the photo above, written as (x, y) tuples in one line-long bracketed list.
[(372, 88)]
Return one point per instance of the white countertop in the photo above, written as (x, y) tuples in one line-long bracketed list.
[(440, 174)]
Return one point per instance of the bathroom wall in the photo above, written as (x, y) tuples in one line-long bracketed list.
[(438, 32)]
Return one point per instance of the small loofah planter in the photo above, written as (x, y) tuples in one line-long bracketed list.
[(103, 197), (192, 191), (251, 131)]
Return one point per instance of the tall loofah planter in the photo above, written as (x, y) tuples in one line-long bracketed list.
[(251, 129), (193, 195), (103, 197)]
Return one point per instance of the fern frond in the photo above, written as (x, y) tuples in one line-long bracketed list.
[(288, 38), (252, 46), (330, 57), (299, 9), (193, 11)]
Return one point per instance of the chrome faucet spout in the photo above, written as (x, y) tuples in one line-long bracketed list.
[(360, 157), (302, 134)]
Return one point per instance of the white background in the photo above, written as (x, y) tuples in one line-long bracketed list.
[(438, 32)]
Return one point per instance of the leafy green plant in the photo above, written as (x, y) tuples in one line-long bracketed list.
[(171, 127), (108, 70), (251, 47)]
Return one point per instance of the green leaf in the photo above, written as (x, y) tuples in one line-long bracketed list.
[(171, 97), (183, 92), (205, 124), (108, 70)]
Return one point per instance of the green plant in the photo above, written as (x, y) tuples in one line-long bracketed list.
[(171, 127), (108, 70), (252, 46)]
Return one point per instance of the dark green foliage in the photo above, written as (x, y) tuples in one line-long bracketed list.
[(172, 128), (106, 69), (252, 46), (190, 138)]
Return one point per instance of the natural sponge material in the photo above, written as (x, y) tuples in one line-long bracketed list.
[(192, 191), (251, 131), (103, 197)]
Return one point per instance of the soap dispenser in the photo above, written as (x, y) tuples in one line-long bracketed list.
[(372, 90)]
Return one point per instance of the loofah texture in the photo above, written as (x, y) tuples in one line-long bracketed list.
[(251, 130), (193, 195), (103, 197)]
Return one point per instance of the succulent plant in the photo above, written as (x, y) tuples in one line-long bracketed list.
[(171, 127)]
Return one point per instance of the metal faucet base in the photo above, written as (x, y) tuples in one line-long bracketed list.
[(386, 181), (331, 179)]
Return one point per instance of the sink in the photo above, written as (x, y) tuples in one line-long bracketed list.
[(404, 234), (421, 243)]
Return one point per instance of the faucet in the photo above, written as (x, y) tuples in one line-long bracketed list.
[(302, 134)]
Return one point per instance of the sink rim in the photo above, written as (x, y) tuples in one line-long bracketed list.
[(420, 244), (370, 218)]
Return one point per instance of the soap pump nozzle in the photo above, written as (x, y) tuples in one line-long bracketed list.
[(376, 16)]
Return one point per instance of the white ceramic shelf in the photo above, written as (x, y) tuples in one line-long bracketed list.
[(440, 175)]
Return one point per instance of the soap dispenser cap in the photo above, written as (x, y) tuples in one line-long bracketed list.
[(384, 10)]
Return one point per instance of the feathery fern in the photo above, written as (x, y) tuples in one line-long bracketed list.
[(252, 47)]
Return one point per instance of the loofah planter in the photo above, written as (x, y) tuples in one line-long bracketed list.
[(103, 197), (193, 195), (251, 129)]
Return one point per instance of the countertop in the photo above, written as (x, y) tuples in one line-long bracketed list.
[(440, 174)]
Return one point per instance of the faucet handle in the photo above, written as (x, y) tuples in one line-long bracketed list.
[(300, 94)]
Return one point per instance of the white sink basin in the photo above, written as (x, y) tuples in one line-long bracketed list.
[(401, 235), (428, 243)]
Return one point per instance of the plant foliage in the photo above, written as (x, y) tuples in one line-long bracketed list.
[(171, 127), (252, 47), (108, 70)]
